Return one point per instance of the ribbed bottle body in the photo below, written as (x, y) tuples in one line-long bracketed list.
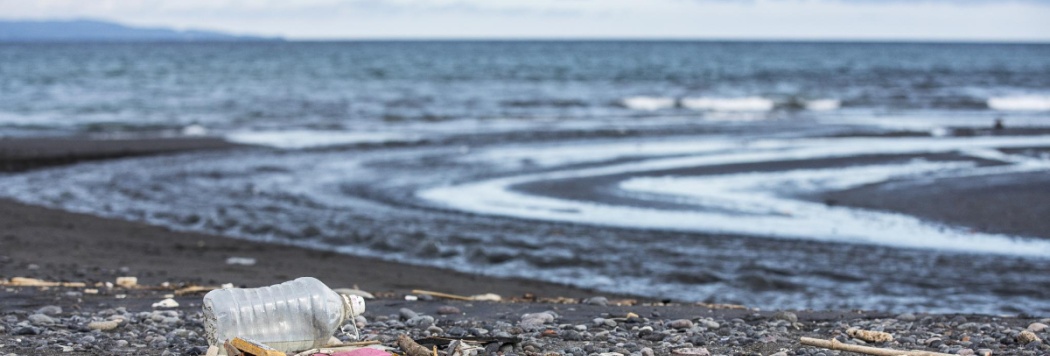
[(295, 315)]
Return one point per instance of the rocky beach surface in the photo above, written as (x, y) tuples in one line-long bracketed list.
[(133, 321)]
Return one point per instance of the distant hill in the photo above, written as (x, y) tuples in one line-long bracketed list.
[(101, 31)]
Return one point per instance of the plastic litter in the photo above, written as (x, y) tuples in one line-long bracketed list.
[(289, 317), (243, 346)]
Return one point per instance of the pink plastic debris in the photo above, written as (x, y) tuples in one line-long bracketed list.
[(366, 351)]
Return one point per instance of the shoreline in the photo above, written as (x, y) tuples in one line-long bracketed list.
[(57, 245), (97, 249)]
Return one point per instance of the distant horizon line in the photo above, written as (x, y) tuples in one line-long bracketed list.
[(251, 37), (547, 39)]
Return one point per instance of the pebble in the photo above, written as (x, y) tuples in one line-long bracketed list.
[(691, 351), (1037, 327), (1026, 337), (406, 313), (103, 325), (906, 317), (26, 330), (447, 310), (682, 324), (787, 316), (711, 324), (41, 320), (422, 321), (602, 301), (50, 310), (536, 320)]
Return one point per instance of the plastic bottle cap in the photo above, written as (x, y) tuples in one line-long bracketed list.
[(354, 305)]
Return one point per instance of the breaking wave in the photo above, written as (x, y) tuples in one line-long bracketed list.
[(1020, 103)]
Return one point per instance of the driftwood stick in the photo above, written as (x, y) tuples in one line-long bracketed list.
[(441, 295), (836, 345), (410, 346)]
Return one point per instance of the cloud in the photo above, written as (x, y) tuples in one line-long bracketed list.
[(772, 19)]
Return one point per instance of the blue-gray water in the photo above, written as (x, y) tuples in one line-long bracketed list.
[(668, 169)]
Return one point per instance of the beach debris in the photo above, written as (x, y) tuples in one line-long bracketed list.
[(354, 291), (487, 297), (212, 351), (105, 325), (869, 335), (242, 261), (166, 303), (878, 351), (246, 346), (1026, 336), (295, 305), (194, 290), (721, 306), (691, 351), (90, 291), (342, 349), (127, 282), (411, 298), (33, 282), (410, 347), (441, 295)]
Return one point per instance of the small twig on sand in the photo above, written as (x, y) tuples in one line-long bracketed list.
[(441, 295), (410, 346), (836, 345)]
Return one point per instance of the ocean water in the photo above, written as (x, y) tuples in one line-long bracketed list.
[(685, 170)]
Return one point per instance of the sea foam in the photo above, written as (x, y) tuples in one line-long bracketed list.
[(300, 139), (728, 104), (1020, 103), (648, 103)]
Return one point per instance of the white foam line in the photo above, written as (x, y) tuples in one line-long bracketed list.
[(763, 212), (299, 139)]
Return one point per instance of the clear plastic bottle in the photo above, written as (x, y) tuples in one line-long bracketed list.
[(292, 316)]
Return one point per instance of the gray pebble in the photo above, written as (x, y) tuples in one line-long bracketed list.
[(41, 319), (448, 309), (711, 324), (906, 317), (50, 310), (602, 301), (456, 331), (571, 335), (27, 330), (406, 313), (786, 315), (681, 324), (421, 322)]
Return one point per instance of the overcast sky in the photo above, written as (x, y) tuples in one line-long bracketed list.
[(971, 20)]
